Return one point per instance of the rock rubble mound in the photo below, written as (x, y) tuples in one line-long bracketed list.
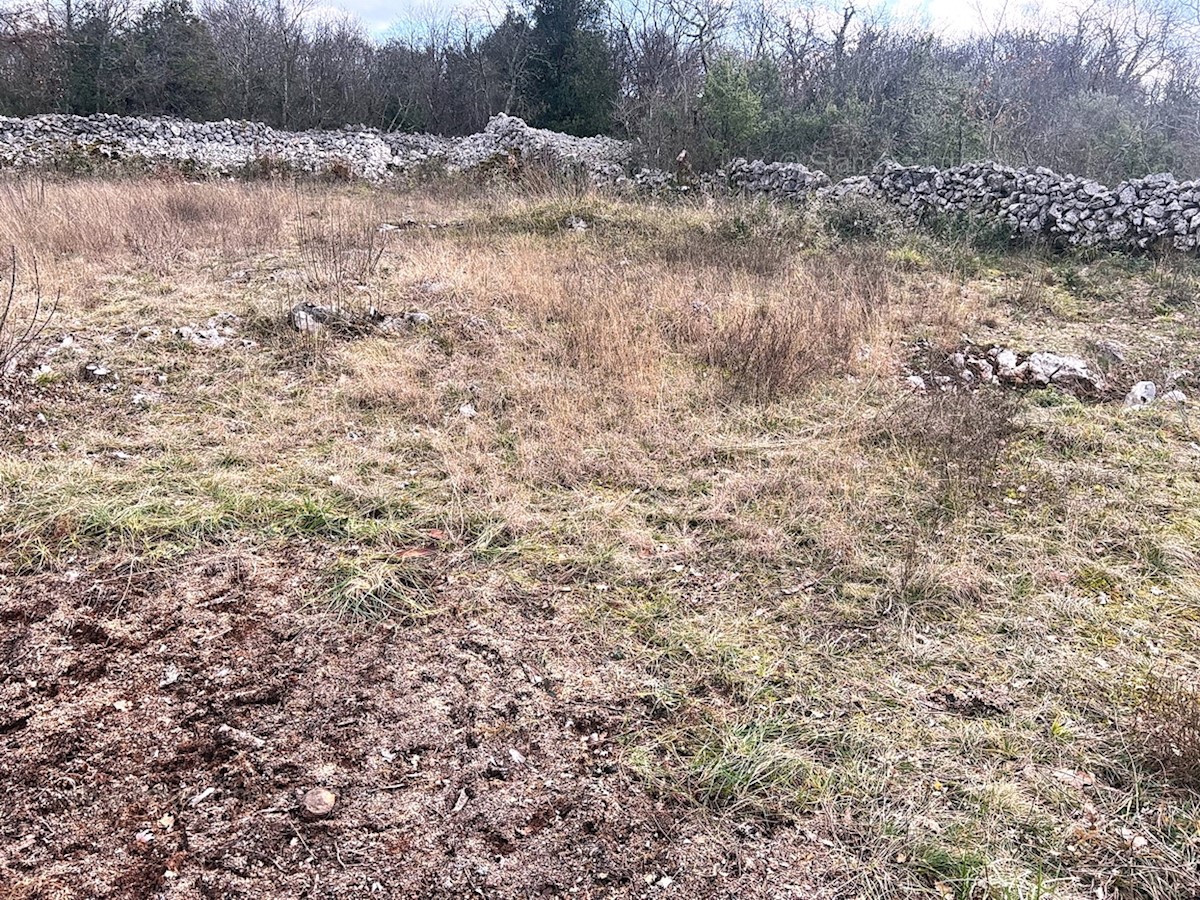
[(229, 147)]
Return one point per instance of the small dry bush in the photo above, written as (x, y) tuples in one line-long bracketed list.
[(340, 251), (20, 323), (960, 435), (1167, 724), (857, 217), (782, 344), (768, 350)]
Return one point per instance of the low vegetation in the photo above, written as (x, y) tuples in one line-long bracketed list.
[(642, 543)]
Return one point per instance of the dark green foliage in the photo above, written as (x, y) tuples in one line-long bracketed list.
[(92, 49), (573, 86), (169, 63), (731, 107), (506, 52)]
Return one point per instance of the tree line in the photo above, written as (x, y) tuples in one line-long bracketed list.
[(1111, 89)]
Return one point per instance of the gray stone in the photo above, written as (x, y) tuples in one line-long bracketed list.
[(97, 373), (1006, 364), (1043, 368), (308, 319), (1141, 394)]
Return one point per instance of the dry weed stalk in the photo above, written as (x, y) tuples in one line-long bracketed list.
[(19, 331), (340, 252)]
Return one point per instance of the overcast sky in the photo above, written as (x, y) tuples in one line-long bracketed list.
[(951, 16)]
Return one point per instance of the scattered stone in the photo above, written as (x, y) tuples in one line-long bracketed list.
[(418, 319), (213, 334), (1176, 396), (1110, 354), (467, 411), (202, 796), (1043, 368), (319, 802), (307, 319), (248, 741), (1142, 394), (312, 318), (971, 368), (97, 373), (170, 675)]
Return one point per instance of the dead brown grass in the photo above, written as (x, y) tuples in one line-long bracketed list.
[(829, 310), (152, 221)]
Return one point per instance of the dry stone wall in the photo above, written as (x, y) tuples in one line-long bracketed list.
[(1155, 211), (229, 147)]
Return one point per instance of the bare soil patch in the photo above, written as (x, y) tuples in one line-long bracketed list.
[(161, 728)]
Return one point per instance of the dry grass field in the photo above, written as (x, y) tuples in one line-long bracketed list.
[(637, 571)]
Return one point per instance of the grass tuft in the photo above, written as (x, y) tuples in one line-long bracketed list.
[(368, 589)]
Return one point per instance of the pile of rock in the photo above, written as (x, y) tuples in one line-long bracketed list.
[(973, 367), (605, 159), (783, 181), (315, 318), (227, 147)]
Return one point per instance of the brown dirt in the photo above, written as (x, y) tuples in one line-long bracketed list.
[(475, 755)]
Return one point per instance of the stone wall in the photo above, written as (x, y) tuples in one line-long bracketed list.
[(1155, 211), (229, 147)]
